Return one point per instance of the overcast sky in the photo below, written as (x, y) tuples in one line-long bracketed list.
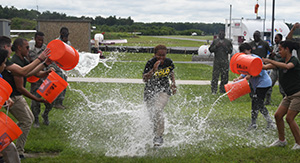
[(206, 11)]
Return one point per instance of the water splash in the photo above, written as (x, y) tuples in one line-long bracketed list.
[(116, 122), (88, 61)]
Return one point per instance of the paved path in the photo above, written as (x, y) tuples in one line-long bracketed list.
[(136, 81)]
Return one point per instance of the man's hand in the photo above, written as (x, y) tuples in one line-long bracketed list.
[(173, 88), (9, 102), (44, 54), (156, 64)]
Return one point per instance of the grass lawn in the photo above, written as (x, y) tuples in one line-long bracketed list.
[(108, 123), (153, 41)]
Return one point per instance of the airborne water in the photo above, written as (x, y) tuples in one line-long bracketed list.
[(116, 122)]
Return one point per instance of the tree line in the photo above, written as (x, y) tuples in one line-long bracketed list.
[(26, 19)]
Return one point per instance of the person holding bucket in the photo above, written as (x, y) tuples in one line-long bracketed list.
[(221, 47), (157, 91), (64, 36), (10, 153), (260, 85), (20, 110), (38, 48), (289, 78), (28, 70)]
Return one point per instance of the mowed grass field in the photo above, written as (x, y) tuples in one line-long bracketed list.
[(107, 122)]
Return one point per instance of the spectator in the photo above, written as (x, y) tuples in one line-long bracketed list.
[(274, 74), (259, 46), (221, 47)]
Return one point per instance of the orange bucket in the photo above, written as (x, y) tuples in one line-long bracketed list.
[(33, 79), (237, 89), (64, 55), (9, 131), (245, 64), (52, 87), (5, 91)]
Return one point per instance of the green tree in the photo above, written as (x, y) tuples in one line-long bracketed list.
[(20, 23)]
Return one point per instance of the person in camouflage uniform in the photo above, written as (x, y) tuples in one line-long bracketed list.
[(58, 102), (221, 47), (36, 106)]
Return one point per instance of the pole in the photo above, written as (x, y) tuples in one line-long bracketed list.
[(264, 25), (273, 18), (230, 22)]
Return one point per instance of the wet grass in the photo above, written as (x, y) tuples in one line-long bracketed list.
[(227, 118)]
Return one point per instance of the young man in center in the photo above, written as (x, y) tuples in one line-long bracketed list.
[(157, 73)]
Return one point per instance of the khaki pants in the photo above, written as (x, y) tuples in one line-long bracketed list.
[(10, 154), (21, 111), (155, 107)]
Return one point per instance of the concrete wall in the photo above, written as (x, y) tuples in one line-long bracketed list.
[(80, 32)]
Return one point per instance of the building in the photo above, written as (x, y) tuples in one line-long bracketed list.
[(80, 32)]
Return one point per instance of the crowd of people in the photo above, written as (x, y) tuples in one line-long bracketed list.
[(285, 68), (158, 73), (24, 63)]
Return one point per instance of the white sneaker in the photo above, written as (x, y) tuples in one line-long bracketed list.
[(278, 143), (296, 146)]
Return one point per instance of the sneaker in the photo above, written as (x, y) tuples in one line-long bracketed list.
[(36, 124), (59, 106), (252, 127), (46, 120), (158, 141), (271, 126), (296, 147), (278, 143)]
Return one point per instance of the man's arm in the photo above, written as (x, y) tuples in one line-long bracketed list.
[(23, 71), (173, 84), (19, 85), (291, 33), (150, 73)]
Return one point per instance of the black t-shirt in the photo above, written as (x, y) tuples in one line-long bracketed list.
[(10, 78), (290, 79), (160, 79)]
